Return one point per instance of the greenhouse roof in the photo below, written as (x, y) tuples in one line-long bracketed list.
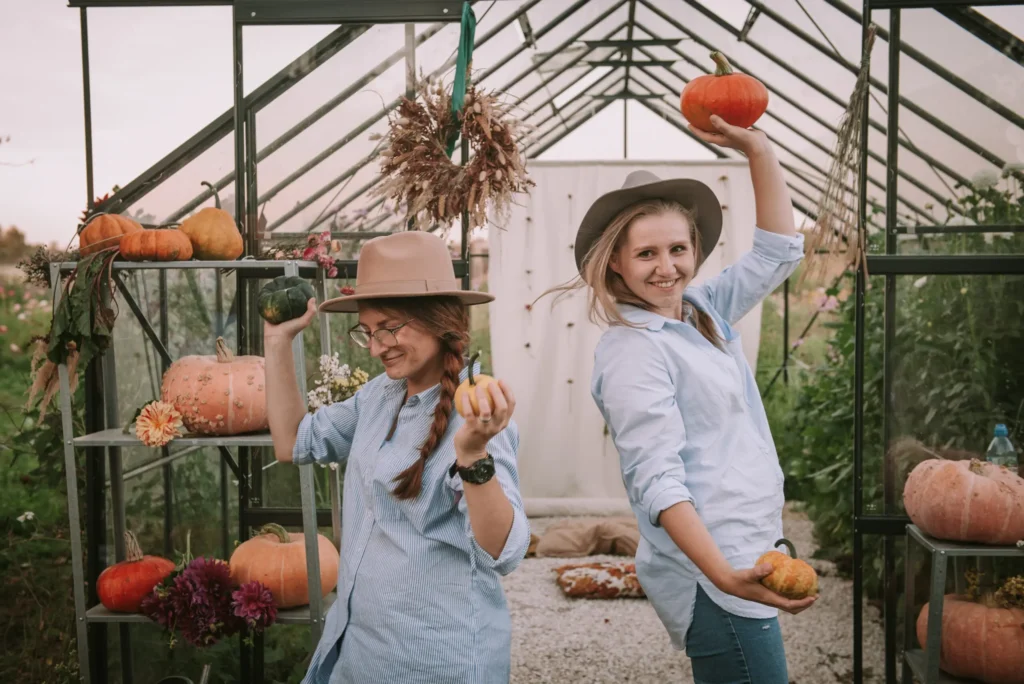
[(568, 64)]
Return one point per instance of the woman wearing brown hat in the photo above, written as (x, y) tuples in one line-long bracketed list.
[(682, 405), (432, 515)]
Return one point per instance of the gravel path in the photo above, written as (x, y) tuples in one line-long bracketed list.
[(560, 640)]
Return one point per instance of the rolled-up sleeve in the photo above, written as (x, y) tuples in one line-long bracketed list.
[(503, 448), (740, 286), (325, 436), (634, 391)]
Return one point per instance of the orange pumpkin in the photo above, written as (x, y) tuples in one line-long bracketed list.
[(980, 641), (218, 395), (277, 558), (469, 386), (213, 232), (970, 501), (105, 230), (156, 244), (738, 98), (121, 587), (790, 576)]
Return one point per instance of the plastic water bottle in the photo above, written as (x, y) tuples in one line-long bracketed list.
[(1001, 451)]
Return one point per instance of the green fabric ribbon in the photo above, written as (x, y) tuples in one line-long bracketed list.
[(467, 33)]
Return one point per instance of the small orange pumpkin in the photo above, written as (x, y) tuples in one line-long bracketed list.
[(218, 395), (277, 558), (105, 230), (790, 576), (156, 244), (122, 586), (469, 386), (213, 232), (738, 98)]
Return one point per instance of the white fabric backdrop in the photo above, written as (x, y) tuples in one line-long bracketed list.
[(568, 465)]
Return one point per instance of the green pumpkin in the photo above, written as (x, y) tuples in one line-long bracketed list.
[(284, 298)]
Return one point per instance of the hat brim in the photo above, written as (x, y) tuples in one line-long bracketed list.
[(350, 303), (690, 193)]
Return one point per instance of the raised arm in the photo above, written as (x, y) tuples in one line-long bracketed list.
[(778, 247)]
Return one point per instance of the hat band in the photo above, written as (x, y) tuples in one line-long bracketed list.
[(399, 287)]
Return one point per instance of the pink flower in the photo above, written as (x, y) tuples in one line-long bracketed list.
[(332, 272), (309, 253), (830, 304), (3, 329), (254, 603)]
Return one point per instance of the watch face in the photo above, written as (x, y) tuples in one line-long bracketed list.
[(478, 473)]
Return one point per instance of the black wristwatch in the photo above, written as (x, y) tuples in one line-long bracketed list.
[(478, 473)]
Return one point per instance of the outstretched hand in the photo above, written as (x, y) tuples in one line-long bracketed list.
[(746, 584), (747, 140)]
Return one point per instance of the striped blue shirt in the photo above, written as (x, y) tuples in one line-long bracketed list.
[(419, 601), (689, 425)]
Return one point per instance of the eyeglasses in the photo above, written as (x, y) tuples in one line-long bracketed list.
[(384, 336)]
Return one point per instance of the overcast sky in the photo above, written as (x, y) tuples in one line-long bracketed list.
[(159, 75)]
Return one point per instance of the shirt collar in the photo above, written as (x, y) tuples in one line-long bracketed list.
[(430, 395), (648, 319)]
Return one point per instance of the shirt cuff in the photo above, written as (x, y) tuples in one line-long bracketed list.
[(776, 247), (302, 452), (672, 494)]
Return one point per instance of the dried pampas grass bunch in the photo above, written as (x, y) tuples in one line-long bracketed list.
[(419, 173)]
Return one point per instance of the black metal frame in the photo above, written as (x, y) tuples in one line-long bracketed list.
[(890, 265)]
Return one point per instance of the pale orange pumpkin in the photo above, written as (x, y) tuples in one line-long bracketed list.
[(157, 244), (218, 395), (980, 640), (277, 558), (213, 232), (105, 230), (790, 576), (966, 501)]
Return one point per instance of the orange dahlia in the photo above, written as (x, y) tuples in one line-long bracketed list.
[(158, 423)]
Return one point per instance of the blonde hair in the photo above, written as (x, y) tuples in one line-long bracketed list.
[(608, 289)]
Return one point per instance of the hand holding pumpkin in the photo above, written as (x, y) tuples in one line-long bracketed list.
[(487, 415), (287, 330), (746, 140)]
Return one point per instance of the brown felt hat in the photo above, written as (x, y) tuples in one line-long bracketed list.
[(406, 264), (644, 185)]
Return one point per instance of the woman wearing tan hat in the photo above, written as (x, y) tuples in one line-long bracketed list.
[(432, 515), (682, 405)]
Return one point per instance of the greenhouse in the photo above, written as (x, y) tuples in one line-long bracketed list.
[(888, 362)]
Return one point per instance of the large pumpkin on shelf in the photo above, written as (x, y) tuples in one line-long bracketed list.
[(222, 394), (156, 244), (980, 640), (122, 586), (105, 230), (213, 232), (971, 501), (738, 98), (277, 558)]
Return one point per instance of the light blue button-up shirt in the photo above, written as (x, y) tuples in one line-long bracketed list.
[(419, 601), (689, 425)]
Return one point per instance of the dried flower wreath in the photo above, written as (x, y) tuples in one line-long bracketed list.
[(417, 168)]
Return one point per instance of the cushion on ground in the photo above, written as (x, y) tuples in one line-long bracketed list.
[(616, 536), (600, 580)]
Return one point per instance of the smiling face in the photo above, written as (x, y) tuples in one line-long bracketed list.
[(410, 353), (656, 259)]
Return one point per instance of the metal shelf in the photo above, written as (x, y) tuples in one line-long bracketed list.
[(950, 548), (916, 659), (235, 265), (116, 437), (287, 616)]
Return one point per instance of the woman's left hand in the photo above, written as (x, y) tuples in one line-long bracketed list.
[(472, 438), (746, 140)]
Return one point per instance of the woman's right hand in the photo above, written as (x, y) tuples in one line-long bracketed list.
[(286, 331), (746, 584)]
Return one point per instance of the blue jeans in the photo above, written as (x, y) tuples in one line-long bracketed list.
[(728, 649)]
